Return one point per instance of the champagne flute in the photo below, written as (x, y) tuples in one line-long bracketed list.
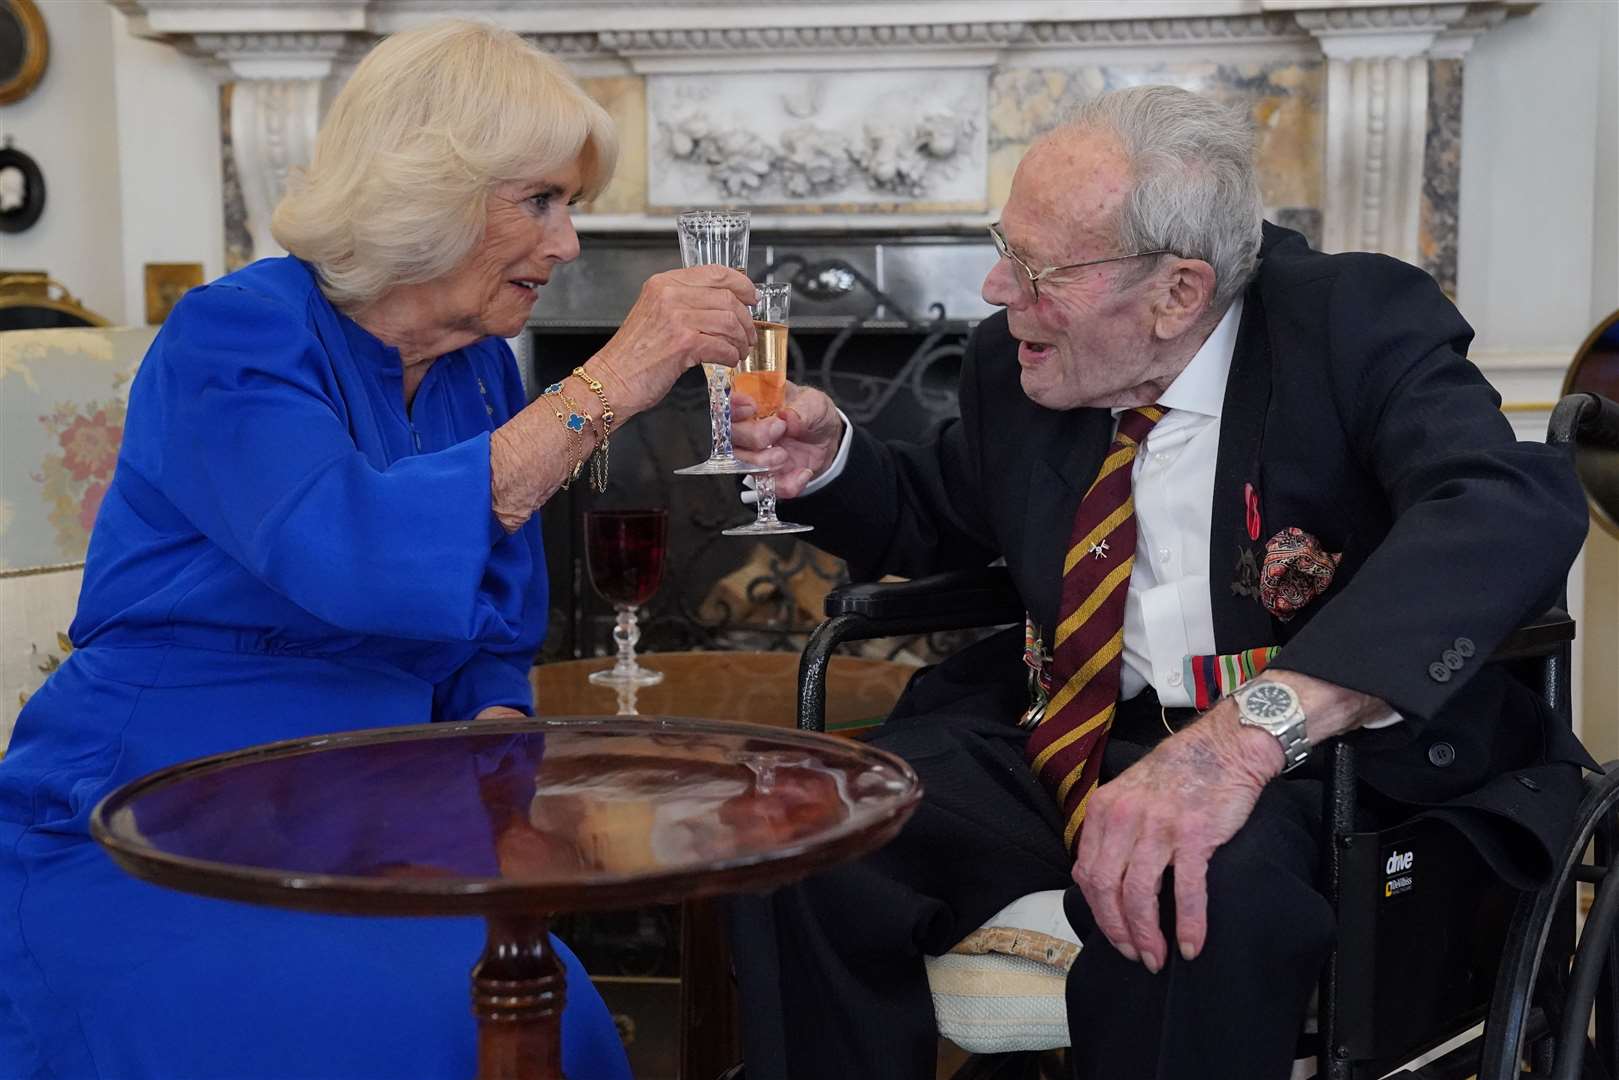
[(624, 552), (762, 376), (708, 237)]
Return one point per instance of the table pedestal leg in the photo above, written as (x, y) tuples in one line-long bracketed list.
[(518, 990)]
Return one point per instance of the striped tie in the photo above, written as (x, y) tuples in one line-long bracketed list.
[(1087, 650)]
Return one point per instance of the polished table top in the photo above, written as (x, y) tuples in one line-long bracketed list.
[(513, 816), (755, 687)]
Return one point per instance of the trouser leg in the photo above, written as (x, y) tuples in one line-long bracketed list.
[(830, 970), (1236, 1010)]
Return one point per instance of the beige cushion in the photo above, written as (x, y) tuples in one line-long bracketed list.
[(35, 610), (1002, 988)]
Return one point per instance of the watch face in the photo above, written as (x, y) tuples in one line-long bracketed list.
[(1268, 701)]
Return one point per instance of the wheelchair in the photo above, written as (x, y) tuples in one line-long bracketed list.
[(1404, 979)]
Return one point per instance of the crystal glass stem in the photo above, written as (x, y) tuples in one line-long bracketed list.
[(719, 411), (626, 670)]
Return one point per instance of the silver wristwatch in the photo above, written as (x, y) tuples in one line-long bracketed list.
[(1274, 707)]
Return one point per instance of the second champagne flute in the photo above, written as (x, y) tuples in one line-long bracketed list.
[(762, 376), (710, 237)]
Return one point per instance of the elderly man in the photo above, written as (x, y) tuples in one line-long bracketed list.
[(1201, 448)]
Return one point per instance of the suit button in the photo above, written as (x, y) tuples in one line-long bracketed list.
[(1528, 783), (1438, 672), (1441, 754), (1453, 659), (1465, 646)]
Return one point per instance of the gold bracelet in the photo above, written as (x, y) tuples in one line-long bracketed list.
[(574, 421), (607, 416), (598, 460)]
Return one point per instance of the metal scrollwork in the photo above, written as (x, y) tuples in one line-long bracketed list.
[(767, 607), (863, 396)]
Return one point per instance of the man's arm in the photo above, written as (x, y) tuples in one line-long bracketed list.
[(896, 508), (1179, 804), (1484, 527)]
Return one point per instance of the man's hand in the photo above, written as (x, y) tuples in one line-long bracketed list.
[(797, 444), (1174, 807), (1178, 804), (500, 712)]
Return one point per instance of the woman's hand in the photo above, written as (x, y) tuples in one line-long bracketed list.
[(796, 445), (682, 318)]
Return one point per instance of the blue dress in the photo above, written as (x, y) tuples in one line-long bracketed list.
[(284, 551)]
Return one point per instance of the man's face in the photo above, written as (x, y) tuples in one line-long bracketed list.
[(1089, 340)]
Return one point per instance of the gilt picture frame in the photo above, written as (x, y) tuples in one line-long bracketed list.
[(166, 283), (24, 49)]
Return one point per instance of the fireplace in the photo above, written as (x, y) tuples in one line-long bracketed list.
[(880, 322)]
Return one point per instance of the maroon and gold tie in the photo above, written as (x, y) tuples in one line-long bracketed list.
[(1087, 650)]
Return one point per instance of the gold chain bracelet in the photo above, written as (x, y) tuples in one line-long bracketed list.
[(598, 460), (574, 421)]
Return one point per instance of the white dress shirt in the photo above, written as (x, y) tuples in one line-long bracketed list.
[(1167, 614)]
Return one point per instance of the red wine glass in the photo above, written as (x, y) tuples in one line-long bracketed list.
[(624, 551)]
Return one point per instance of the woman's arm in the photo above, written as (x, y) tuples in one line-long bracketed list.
[(682, 318)]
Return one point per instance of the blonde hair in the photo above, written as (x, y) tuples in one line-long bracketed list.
[(431, 119)]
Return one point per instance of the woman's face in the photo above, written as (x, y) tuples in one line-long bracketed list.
[(529, 231)]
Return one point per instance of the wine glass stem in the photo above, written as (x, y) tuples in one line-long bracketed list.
[(766, 485), (626, 633), (719, 410)]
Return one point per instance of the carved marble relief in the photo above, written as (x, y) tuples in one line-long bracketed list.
[(1284, 99), (816, 139)]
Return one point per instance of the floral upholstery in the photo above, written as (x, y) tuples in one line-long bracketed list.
[(62, 399)]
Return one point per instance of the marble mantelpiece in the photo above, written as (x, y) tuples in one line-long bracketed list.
[(904, 114)]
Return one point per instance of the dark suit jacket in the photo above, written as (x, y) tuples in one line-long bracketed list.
[(1352, 411)]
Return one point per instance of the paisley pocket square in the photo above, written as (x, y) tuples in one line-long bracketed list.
[(1296, 571)]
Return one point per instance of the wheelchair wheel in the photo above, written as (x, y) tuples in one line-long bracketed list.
[(1547, 988)]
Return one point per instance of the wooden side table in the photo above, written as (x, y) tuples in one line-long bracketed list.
[(511, 820), (753, 687)]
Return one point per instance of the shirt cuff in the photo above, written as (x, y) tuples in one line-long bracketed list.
[(1388, 719), (833, 471)]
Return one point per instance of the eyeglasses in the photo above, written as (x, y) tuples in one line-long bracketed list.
[(1033, 277)]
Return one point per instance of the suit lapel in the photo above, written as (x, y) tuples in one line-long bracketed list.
[(1057, 481), (1235, 554)]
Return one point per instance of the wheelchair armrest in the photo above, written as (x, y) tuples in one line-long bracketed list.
[(1541, 636), (960, 599), (954, 601)]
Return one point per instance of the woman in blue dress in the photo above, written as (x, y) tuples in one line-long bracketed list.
[(322, 519)]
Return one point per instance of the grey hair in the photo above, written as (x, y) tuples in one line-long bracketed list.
[(1195, 190)]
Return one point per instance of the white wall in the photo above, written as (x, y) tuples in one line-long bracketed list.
[(169, 162), (126, 132), (1605, 255), (69, 126), (1529, 138)]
